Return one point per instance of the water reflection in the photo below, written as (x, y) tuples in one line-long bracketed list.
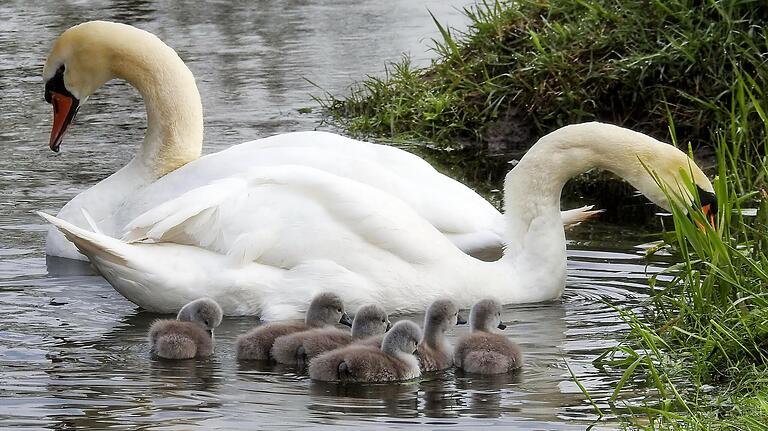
[(330, 400), (186, 375), (62, 267), (485, 395)]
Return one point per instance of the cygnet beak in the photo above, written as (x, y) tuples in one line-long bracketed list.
[(389, 326), (502, 326), (461, 320), (345, 320)]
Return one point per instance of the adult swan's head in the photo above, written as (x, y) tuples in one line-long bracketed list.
[(88, 55), (533, 187)]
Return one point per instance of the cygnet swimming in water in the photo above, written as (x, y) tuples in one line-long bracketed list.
[(325, 309), (482, 351), (395, 361), (435, 353), (299, 347), (190, 335)]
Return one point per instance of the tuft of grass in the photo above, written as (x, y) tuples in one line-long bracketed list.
[(526, 67)]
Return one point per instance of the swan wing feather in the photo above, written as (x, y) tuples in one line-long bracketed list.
[(286, 214)]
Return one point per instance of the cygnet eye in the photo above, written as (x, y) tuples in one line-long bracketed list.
[(339, 310), (206, 322)]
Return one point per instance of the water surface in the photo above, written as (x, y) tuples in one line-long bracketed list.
[(72, 350)]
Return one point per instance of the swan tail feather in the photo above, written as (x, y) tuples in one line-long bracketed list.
[(91, 221), (90, 243), (574, 217)]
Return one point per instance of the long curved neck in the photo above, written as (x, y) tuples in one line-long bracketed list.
[(532, 189), (174, 133), (535, 244)]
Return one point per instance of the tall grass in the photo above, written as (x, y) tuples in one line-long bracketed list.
[(703, 342)]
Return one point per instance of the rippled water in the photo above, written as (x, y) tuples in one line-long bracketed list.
[(72, 350)]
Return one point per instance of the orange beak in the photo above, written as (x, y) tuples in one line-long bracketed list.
[(710, 215), (64, 110)]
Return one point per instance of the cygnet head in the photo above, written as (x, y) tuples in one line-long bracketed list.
[(402, 338), (327, 309), (204, 311), (441, 315), (485, 316), (370, 320)]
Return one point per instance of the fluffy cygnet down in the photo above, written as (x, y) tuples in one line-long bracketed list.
[(299, 347), (326, 309), (190, 335), (395, 361), (483, 351), (435, 353)]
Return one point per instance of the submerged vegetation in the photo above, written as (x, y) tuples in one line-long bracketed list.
[(526, 67)]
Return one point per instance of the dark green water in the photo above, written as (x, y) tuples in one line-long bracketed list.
[(72, 350)]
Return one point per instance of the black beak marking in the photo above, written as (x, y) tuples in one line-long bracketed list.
[(707, 198), (56, 85), (57, 94), (345, 320)]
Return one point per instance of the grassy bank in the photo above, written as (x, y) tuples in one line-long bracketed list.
[(524, 68)]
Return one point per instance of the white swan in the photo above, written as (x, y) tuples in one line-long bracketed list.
[(86, 56), (266, 241)]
